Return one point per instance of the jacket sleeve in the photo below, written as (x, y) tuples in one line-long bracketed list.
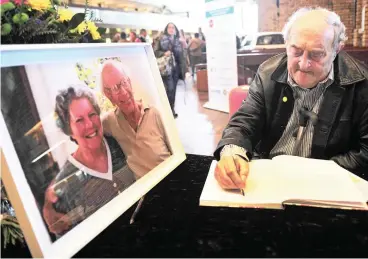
[(245, 126), (356, 161)]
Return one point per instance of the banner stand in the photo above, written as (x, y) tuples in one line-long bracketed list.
[(221, 53)]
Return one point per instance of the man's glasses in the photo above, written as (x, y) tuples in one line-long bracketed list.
[(122, 84)]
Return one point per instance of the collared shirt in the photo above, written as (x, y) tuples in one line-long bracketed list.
[(145, 148), (82, 190), (92, 172), (311, 99), (308, 98)]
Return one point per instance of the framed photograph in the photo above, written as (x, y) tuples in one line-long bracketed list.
[(86, 131)]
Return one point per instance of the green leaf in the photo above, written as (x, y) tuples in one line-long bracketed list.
[(6, 236), (101, 31), (60, 26), (77, 19), (11, 224), (13, 241)]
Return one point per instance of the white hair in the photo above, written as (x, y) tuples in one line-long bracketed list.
[(331, 18), (117, 64)]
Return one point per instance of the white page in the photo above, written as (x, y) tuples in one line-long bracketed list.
[(361, 184), (214, 195), (313, 179), (270, 182)]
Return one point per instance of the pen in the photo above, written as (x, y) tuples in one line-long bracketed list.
[(241, 190), (132, 219)]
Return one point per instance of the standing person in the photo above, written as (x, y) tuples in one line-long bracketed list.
[(143, 35), (133, 37), (195, 51), (184, 44), (201, 34), (123, 37), (203, 38), (169, 44), (116, 38)]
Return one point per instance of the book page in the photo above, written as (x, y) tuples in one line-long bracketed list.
[(313, 179), (271, 182), (361, 184), (257, 192)]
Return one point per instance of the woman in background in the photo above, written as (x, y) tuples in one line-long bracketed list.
[(170, 44), (94, 174), (133, 37)]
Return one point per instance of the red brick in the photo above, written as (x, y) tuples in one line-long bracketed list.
[(269, 21)]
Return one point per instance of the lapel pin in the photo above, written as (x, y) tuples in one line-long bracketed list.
[(284, 99)]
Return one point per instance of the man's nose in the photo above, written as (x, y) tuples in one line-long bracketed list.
[(304, 62)]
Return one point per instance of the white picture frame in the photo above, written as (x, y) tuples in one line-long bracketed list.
[(143, 66)]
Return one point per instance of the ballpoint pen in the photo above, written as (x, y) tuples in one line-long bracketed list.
[(132, 219)]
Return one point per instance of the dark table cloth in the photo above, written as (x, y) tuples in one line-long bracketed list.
[(172, 224)]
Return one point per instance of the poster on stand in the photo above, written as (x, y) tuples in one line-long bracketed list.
[(73, 155), (221, 52)]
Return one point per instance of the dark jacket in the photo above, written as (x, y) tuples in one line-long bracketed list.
[(341, 133), (164, 44)]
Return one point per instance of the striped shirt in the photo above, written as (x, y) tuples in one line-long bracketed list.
[(311, 99), (308, 98)]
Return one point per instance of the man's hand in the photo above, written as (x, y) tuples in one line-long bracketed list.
[(231, 172), (56, 221), (167, 53)]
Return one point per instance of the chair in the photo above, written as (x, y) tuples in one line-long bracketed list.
[(236, 97)]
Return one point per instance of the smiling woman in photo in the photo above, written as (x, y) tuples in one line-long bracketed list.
[(94, 174)]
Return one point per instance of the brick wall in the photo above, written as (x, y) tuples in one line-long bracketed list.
[(272, 18)]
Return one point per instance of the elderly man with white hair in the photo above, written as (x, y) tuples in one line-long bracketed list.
[(314, 80), (135, 125)]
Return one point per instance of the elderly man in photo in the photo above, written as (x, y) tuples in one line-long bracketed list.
[(137, 127), (314, 80)]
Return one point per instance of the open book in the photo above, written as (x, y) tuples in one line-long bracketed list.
[(290, 180)]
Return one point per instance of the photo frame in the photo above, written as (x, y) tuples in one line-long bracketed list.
[(38, 142)]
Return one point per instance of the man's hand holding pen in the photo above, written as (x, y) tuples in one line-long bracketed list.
[(232, 171)]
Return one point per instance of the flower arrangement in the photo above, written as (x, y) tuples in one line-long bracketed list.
[(45, 21), (32, 22), (10, 229)]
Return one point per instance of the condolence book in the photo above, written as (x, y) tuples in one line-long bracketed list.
[(290, 180)]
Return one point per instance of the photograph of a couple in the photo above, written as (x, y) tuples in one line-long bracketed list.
[(84, 132)]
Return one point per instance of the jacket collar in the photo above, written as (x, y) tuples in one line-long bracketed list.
[(346, 71)]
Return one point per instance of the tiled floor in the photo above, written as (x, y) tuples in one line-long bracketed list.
[(199, 128)]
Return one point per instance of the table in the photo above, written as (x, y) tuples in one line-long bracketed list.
[(172, 224)]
